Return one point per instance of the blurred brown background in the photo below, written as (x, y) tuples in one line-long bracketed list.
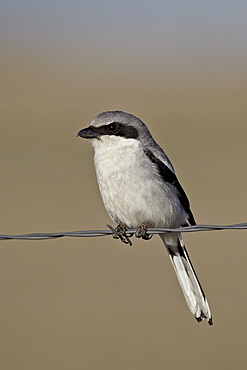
[(94, 303)]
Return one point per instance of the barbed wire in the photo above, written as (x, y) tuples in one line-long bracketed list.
[(91, 233)]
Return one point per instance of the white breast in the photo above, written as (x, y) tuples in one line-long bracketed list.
[(130, 186)]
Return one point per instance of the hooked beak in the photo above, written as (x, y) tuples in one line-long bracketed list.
[(88, 133)]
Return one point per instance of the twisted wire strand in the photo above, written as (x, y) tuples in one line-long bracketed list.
[(91, 233)]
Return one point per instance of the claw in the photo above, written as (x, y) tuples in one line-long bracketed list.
[(141, 232), (120, 233)]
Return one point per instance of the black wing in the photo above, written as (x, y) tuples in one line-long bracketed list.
[(170, 177)]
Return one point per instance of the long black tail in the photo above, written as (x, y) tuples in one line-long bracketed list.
[(187, 278)]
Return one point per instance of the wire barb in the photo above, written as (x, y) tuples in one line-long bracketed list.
[(89, 233)]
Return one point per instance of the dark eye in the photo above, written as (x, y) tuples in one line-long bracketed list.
[(112, 127)]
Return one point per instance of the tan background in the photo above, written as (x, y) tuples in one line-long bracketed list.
[(95, 303)]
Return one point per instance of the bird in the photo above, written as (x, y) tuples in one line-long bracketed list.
[(140, 190)]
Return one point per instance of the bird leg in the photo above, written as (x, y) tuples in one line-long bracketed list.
[(141, 232), (120, 233)]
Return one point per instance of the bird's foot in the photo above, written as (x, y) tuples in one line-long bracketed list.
[(141, 232), (120, 233)]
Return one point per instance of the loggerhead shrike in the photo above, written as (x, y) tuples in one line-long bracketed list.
[(139, 189)]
